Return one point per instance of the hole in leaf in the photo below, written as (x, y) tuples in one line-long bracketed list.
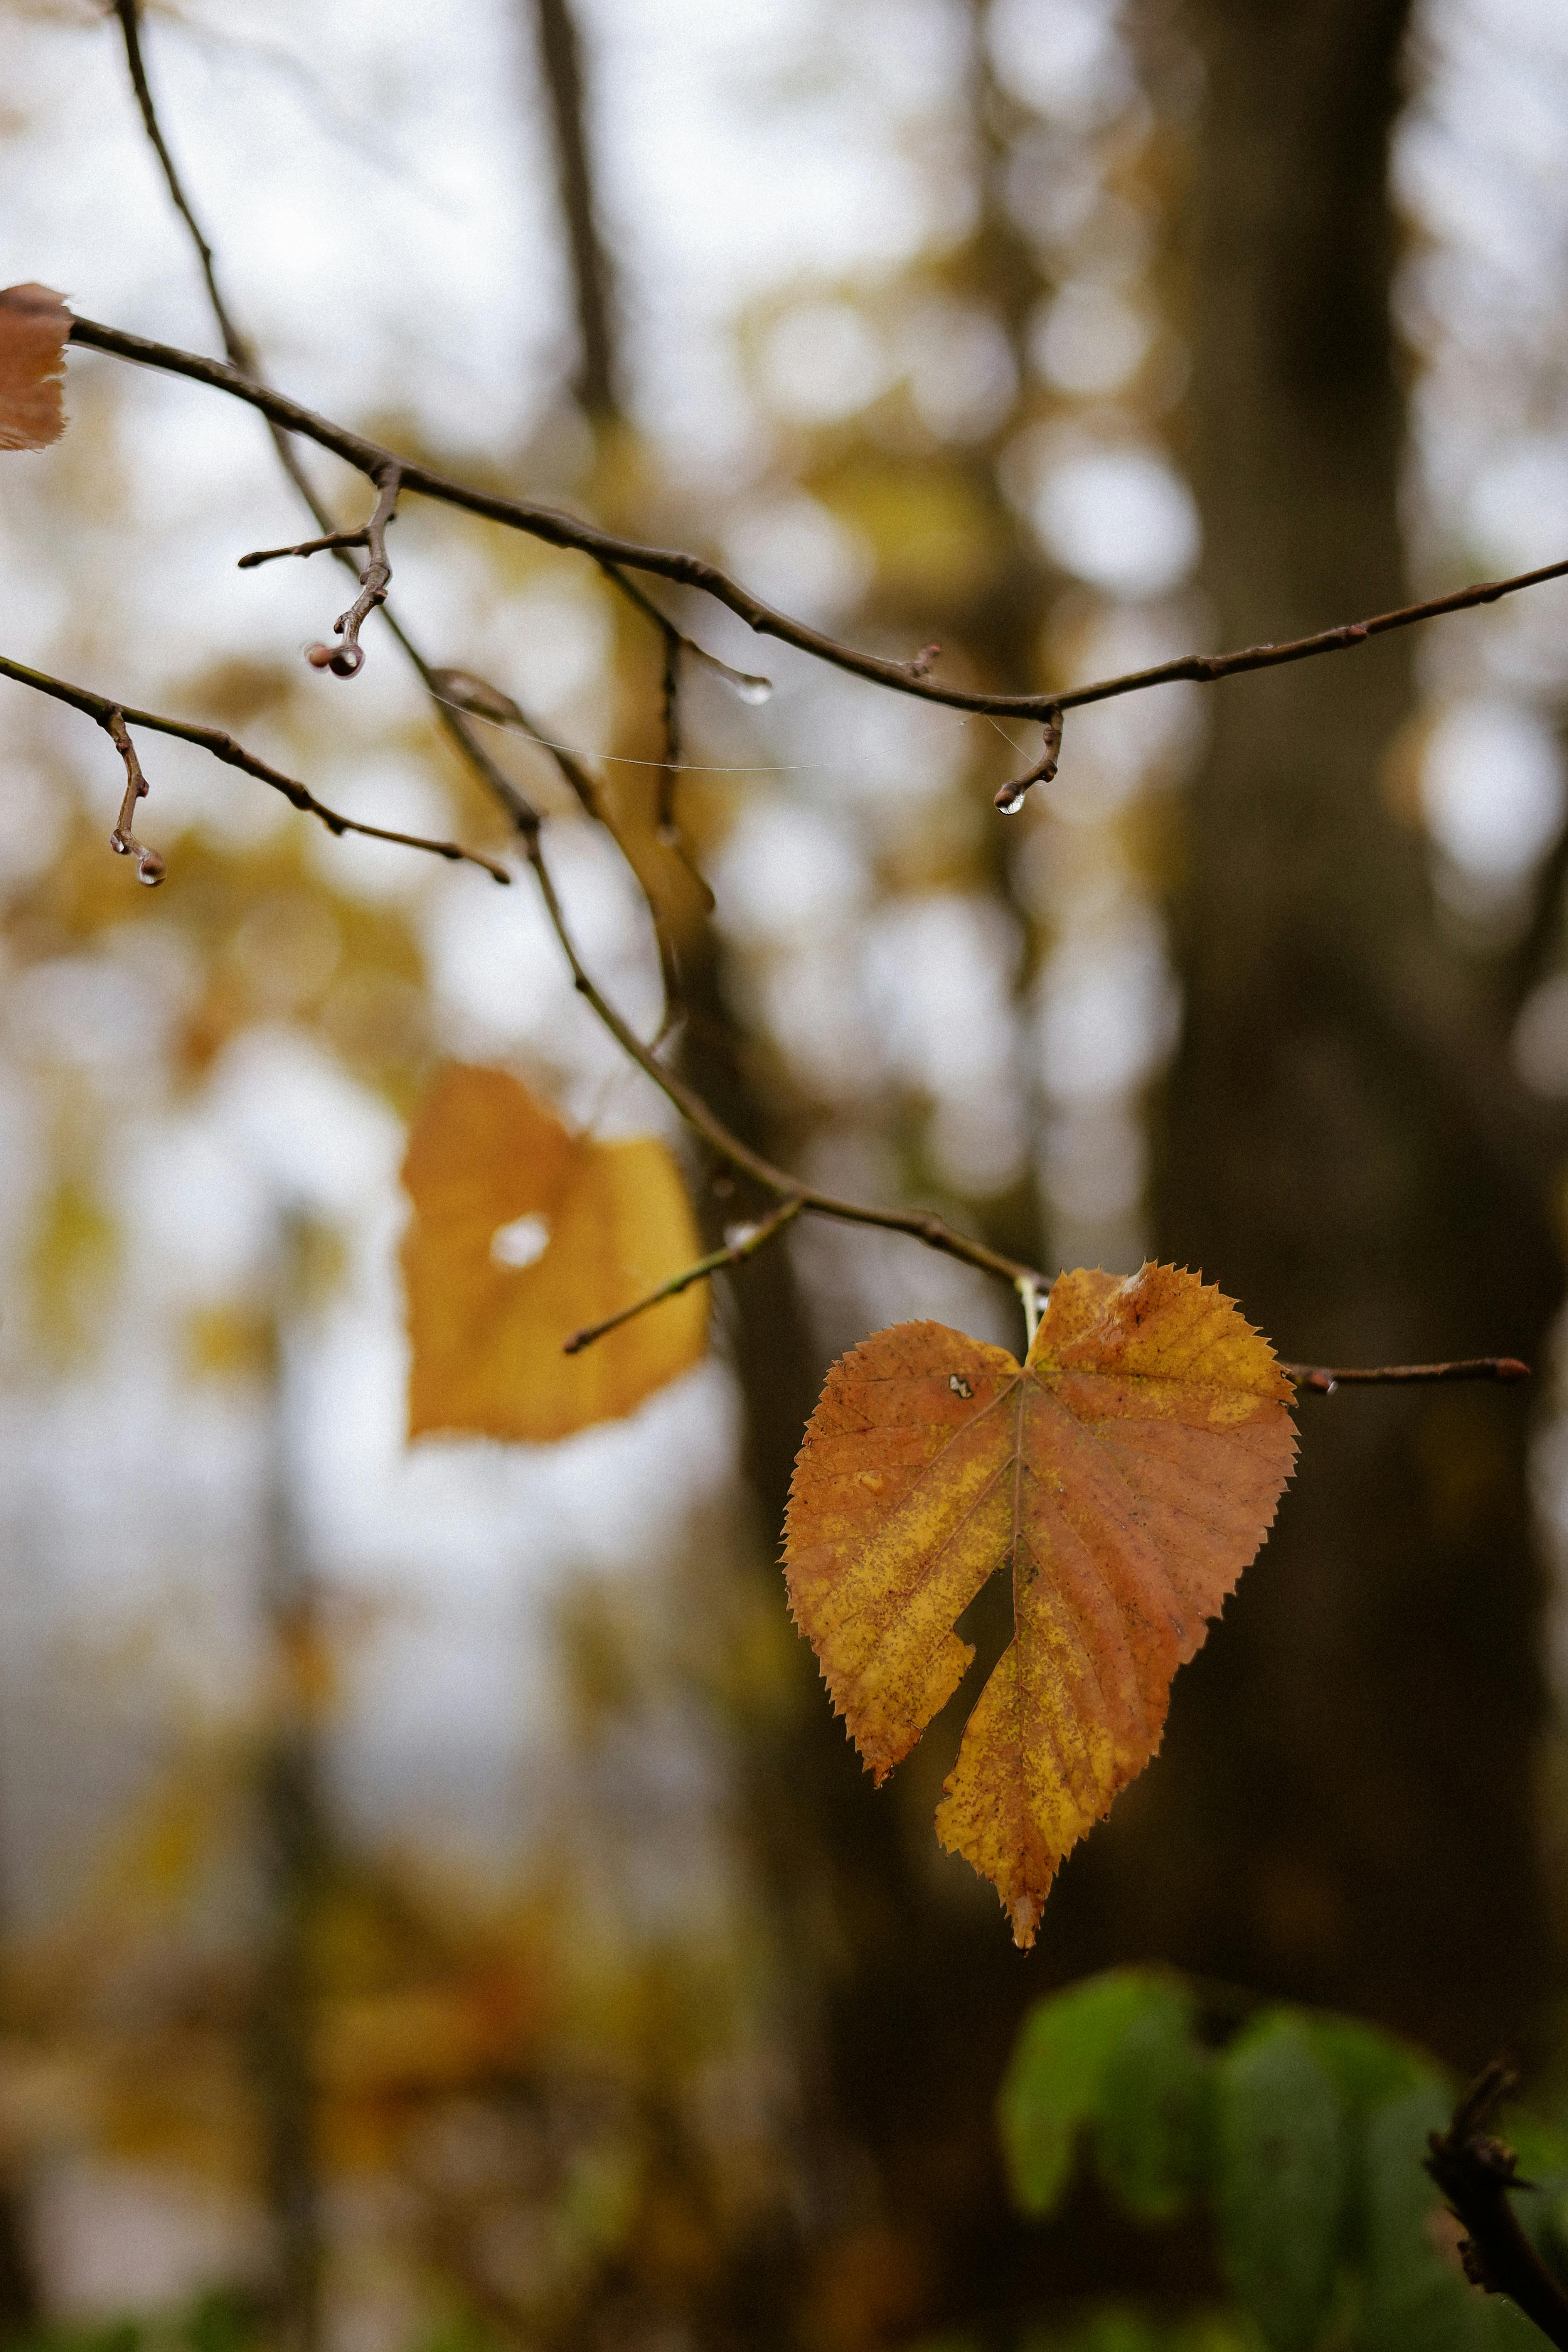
[(519, 1244)]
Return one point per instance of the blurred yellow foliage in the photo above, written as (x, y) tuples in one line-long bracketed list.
[(610, 1223)]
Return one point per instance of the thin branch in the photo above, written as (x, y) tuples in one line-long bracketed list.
[(332, 539), (241, 352), (746, 683), (1477, 2175), (347, 659), (113, 716), (564, 530), (150, 867), (920, 1225), (1010, 798), (745, 1246), (1322, 1380)]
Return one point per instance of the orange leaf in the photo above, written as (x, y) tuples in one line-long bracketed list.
[(492, 1175), (34, 326), (1126, 1474)]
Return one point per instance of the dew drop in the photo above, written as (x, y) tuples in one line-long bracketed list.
[(741, 682), (1009, 803)]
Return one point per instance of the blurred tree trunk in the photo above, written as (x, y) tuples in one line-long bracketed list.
[(1343, 1808), (561, 58)]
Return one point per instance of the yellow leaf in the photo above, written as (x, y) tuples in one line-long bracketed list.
[(494, 1177), (34, 326), (1126, 1475)]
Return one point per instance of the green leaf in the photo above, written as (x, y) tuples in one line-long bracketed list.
[(1052, 2085), (1152, 2110), (1543, 2209), (1367, 2065), (1417, 2299), (1110, 2327), (1280, 2142)]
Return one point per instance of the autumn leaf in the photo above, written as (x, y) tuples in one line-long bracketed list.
[(524, 1232), (1126, 1474), (34, 327)]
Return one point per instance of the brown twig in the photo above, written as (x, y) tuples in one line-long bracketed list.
[(1323, 1379), (1010, 798), (332, 539), (346, 660), (111, 715), (150, 867), (1477, 2174), (746, 1245), (559, 529)]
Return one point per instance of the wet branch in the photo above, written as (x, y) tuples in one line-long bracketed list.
[(746, 1243), (347, 659), (150, 867), (569, 532), (1322, 1380), (114, 718)]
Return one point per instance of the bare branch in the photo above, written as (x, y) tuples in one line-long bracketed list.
[(558, 530), (150, 867), (332, 539), (1010, 799), (115, 716), (1323, 1379), (920, 1225), (348, 659), (746, 1243)]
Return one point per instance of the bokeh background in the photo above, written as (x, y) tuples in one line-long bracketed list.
[(436, 1904)]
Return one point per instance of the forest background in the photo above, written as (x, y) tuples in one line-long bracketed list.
[(434, 1880)]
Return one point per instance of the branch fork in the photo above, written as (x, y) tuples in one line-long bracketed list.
[(347, 659)]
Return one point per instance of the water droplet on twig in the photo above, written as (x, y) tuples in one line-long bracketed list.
[(1010, 802), (741, 682)]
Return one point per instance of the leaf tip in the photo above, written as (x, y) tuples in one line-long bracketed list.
[(1025, 1913)]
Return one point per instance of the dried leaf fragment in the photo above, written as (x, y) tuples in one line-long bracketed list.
[(34, 328), (1125, 1474), (597, 1226)]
